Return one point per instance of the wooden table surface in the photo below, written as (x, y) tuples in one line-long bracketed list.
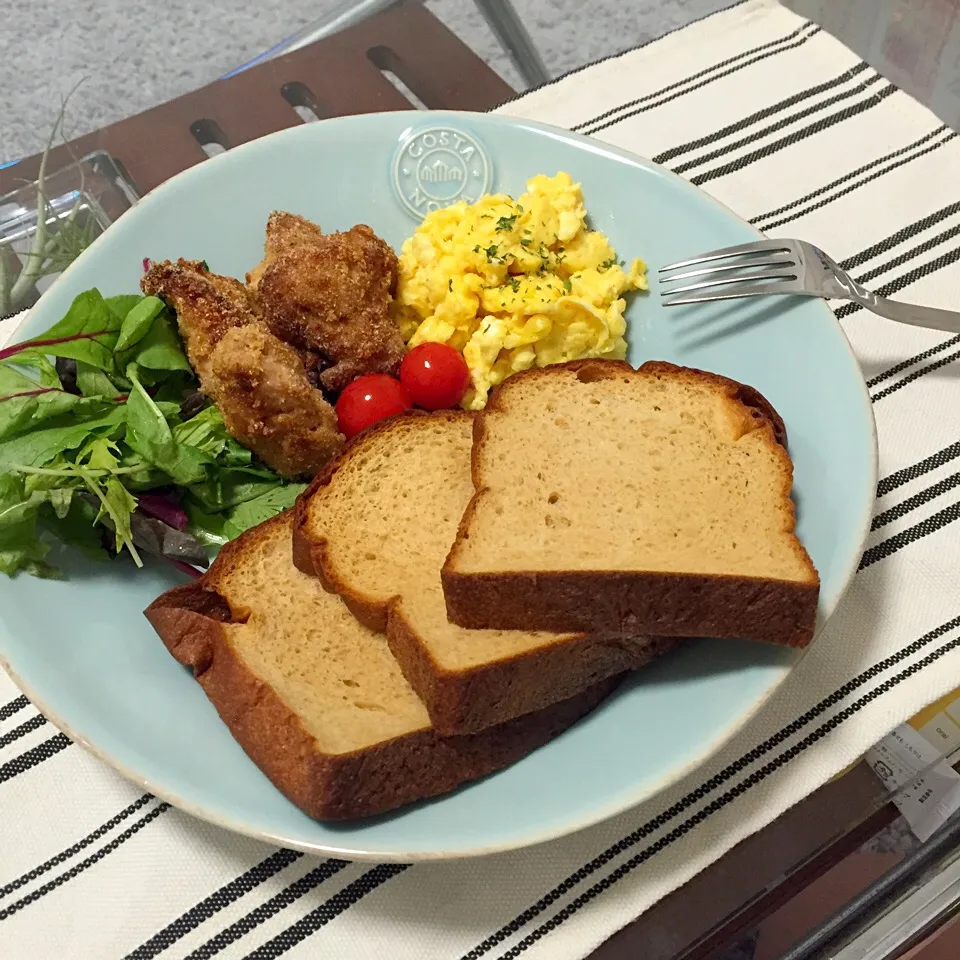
[(345, 74), (704, 917)]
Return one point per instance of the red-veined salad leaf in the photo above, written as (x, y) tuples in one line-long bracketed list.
[(115, 422), (88, 332)]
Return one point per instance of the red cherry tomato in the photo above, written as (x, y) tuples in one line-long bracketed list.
[(435, 375), (368, 399)]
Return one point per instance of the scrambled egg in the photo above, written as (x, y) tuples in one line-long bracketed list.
[(514, 284)]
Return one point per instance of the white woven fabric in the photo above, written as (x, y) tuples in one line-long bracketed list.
[(787, 127)]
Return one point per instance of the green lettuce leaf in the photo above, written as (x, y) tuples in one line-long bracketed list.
[(121, 305), (160, 349), (149, 434), (37, 448), (21, 551), (206, 527), (77, 528), (95, 383), (251, 512), (230, 487), (208, 433), (72, 467), (20, 548), (92, 328), (137, 323), (21, 403)]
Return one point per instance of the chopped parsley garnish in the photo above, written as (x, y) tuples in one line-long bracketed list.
[(606, 265), (525, 241), (514, 284), (506, 223), (567, 285), (476, 249), (450, 284), (519, 208)]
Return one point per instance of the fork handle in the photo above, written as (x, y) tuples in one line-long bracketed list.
[(915, 315), (836, 282)]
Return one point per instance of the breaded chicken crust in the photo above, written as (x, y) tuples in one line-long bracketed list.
[(261, 388), (285, 232), (207, 306), (330, 293), (259, 384)]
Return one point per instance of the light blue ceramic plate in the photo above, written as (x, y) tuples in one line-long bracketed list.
[(83, 652)]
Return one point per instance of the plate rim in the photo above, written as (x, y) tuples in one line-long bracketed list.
[(604, 811)]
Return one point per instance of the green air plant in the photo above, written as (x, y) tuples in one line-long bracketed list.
[(50, 252)]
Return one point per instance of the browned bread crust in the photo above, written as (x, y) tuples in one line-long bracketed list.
[(190, 620), (466, 701), (697, 606), (470, 701), (632, 602)]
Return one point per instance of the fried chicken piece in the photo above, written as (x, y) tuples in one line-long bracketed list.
[(207, 306), (260, 385), (285, 232), (331, 294)]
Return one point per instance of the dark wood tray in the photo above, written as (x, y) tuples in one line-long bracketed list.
[(337, 76)]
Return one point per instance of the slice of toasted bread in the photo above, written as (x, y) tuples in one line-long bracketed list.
[(376, 528), (640, 501), (314, 697)]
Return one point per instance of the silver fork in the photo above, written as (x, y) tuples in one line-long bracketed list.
[(785, 266)]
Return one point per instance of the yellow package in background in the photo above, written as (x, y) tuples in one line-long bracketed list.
[(938, 724)]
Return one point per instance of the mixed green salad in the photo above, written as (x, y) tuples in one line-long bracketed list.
[(106, 445)]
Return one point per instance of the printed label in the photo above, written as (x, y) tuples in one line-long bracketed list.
[(929, 787)]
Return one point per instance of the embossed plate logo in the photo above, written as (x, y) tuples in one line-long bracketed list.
[(436, 167)]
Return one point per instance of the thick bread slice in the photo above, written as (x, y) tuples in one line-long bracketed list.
[(376, 528), (314, 697), (642, 501)]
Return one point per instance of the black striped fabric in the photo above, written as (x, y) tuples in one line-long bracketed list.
[(696, 82), (25, 761), (75, 848), (219, 900), (16, 704)]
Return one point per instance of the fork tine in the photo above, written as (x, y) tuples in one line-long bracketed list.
[(724, 253), (749, 265), (727, 281), (733, 293)]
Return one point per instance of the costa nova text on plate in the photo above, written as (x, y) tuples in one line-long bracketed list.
[(438, 166)]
